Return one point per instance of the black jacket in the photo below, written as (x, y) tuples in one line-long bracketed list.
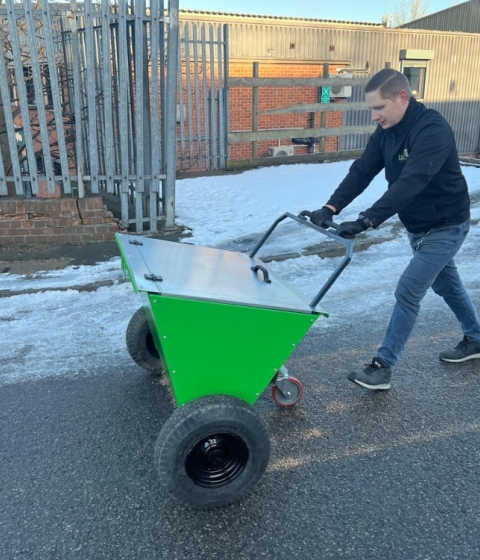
[(426, 187)]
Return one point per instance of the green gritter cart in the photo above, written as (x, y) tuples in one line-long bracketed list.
[(220, 325)]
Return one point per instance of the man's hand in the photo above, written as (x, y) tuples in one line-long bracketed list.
[(348, 230), (318, 217)]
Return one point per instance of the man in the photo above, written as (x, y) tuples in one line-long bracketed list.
[(428, 191)]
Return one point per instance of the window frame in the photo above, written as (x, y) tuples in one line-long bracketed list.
[(422, 65), (32, 99), (417, 58)]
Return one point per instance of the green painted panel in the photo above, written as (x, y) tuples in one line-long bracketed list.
[(126, 269), (215, 348)]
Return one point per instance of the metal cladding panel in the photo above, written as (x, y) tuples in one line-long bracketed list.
[(451, 86), (464, 17), (207, 274)]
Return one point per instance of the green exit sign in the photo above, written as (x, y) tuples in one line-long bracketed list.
[(326, 94)]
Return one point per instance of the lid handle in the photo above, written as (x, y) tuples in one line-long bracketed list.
[(258, 267)]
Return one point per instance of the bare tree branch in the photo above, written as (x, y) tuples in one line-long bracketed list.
[(409, 10)]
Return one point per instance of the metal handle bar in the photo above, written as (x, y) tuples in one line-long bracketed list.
[(328, 223), (302, 219)]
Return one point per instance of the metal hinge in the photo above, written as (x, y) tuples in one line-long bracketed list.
[(135, 242), (153, 277)]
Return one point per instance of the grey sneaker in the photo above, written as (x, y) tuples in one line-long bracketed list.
[(375, 376), (465, 350)]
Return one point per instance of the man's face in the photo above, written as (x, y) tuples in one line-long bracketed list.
[(387, 112)]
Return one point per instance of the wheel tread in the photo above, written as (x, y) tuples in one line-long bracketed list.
[(136, 332), (186, 420)]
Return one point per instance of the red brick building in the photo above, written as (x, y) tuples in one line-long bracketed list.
[(276, 98)]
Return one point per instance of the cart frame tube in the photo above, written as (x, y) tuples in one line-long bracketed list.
[(301, 219)]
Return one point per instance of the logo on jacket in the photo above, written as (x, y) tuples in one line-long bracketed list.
[(403, 156)]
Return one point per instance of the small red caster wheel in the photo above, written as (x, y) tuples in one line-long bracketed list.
[(290, 396)]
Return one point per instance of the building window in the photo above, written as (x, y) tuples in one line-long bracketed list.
[(32, 99), (40, 165), (416, 76), (414, 64), (28, 79)]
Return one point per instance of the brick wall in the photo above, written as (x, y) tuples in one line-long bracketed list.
[(60, 220), (275, 98), (269, 98)]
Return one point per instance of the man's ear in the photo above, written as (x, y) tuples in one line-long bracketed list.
[(404, 97)]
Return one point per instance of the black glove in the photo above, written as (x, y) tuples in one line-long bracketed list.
[(348, 230), (319, 216)]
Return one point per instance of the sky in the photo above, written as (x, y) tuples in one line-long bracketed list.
[(232, 213), (348, 10)]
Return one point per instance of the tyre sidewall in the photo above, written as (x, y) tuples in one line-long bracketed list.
[(138, 332), (142, 343), (172, 462)]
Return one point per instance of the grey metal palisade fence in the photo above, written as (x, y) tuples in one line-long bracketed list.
[(203, 97), (88, 99)]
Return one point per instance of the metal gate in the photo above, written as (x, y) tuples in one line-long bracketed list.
[(362, 117), (203, 102), (89, 103)]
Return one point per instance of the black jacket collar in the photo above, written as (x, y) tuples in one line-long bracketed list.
[(409, 118)]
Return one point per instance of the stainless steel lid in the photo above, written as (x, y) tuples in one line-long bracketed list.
[(204, 273)]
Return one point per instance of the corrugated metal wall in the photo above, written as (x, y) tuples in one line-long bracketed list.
[(452, 80), (464, 17)]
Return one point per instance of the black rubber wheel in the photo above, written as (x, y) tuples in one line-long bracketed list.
[(211, 451), (140, 343)]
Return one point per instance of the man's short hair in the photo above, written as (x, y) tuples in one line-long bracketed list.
[(390, 83)]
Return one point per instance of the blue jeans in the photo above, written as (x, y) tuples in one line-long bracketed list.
[(432, 266)]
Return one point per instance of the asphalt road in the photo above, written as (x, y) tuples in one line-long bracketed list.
[(353, 474)]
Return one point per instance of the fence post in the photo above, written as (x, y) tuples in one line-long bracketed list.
[(77, 110), (154, 114), (93, 156), (226, 58), (323, 116), (255, 109), (147, 136), (22, 90), (171, 138), (8, 153)]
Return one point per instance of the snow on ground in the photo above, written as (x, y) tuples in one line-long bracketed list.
[(227, 207), (70, 276), (57, 333), (63, 333)]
